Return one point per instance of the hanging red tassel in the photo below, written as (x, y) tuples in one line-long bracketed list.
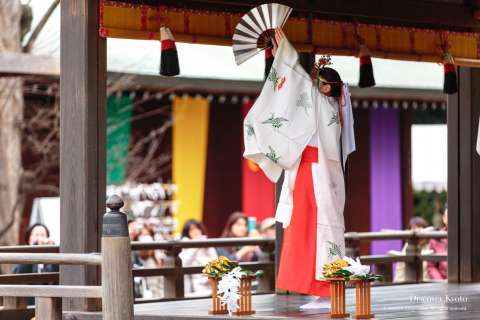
[(366, 78), (169, 65), (450, 75), (268, 62)]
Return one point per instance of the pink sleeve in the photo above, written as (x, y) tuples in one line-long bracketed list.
[(433, 267), (433, 272)]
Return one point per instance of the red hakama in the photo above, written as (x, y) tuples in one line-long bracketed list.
[(298, 259)]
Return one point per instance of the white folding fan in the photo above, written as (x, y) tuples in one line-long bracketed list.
[(254, 28)]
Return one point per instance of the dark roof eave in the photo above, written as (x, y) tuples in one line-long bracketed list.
[(159, 83)]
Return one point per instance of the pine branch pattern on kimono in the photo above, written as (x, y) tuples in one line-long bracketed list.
[(334, 250), (335, 119), (304, 102), (278, 81), (250, 130), (272, 155), (276, 122), (273, 77)]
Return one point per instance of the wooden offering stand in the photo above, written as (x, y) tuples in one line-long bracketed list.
[(244, 302), (337, 298), (363, 305)]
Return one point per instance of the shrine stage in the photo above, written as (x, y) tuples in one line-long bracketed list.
[(435, 301)]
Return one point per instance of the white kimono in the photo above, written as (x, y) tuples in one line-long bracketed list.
[(290, 114)]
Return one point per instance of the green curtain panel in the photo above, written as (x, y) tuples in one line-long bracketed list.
[(119, 125)]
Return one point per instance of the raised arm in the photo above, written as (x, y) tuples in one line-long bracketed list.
[(279, 36), (289, 55)]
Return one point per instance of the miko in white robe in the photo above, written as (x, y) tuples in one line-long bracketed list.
[(295, 128)]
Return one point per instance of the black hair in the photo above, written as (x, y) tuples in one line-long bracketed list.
[(418, 221), (232, 219), (28, 233), (333, 79), (188, 224)]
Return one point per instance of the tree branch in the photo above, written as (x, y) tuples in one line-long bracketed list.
[(34, 35)]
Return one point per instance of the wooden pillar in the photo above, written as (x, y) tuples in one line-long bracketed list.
[(278, 230), (406, 121), (357, 183), (173, 284), (413, 269), (464, 179), (117, 280), (48, 308), (82, 139), (267, 281), (14, 303)]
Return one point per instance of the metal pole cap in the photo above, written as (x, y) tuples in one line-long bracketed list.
[(114, 203), (115, 222)]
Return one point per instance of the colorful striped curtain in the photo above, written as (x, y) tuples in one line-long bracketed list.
[(119, 113), (258, 199), (190, 140)]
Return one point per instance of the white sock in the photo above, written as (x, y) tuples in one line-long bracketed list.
[(322, 303)]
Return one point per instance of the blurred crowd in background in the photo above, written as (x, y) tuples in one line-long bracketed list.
[(238, 225)]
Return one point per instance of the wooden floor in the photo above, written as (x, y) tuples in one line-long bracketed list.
[(434, 301)]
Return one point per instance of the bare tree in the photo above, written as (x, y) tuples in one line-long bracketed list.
[(40, 147), (147, 158), (11, 116), (37, 134)]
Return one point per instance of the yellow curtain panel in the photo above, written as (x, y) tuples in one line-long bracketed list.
[(189, 149), (119, 20)]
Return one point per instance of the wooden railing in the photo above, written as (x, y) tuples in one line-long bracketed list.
[(413, 257), (115, 257), (172, 269), (116, 291)]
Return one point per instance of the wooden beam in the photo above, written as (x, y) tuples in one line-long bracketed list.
[(407, 12), (30, 278), (220, 86), (30, 249), (19, 314), (22, 64), (50, 291), (50, 258), (82, 140)]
